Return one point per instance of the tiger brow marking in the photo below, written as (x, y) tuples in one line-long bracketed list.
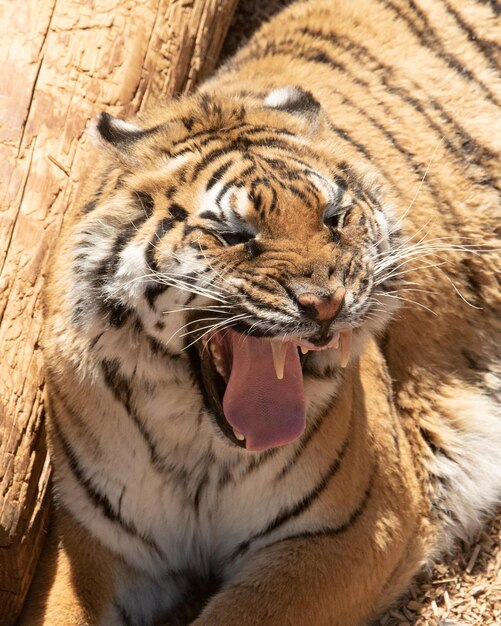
[(246, 133), (219, 173), (294, 511), (209, 132), (209, 158)]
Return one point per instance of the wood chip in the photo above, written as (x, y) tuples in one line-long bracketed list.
[(434, 608), (447, 601), (443, 581), (473, 559)]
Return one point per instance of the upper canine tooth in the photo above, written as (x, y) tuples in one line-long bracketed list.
[(345, 340), (304, 350), (279, 351)]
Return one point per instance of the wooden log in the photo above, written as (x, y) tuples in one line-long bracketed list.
[(61, 62)]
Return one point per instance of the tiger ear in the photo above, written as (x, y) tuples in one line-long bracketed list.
[(294, 100), (112, 132)]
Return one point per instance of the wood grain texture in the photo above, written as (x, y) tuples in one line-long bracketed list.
[(61, 62)]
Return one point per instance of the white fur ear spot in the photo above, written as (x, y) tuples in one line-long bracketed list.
[(293, 100), (113, 131)]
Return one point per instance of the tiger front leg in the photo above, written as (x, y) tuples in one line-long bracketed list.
[(337, 579), (75, 580)]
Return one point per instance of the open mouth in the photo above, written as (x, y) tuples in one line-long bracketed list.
[(254, 386)]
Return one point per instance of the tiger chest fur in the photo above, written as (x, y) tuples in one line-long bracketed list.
[(267, 402)]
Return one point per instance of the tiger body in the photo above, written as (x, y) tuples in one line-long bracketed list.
[(164, 517)]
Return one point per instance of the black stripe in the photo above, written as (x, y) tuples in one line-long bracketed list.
[(108, 267), (210, 215), (224, 477), (248, 130), (121, 391), (120, 388), (258, 460), (323, 58), (494, 5), (303, 443), (331, 531), (237, 145), (145, 202), (191, 228), (486, 48), (211, 156), (210, 132), (117, 313), (257, 198), (203, 137), (178, 214), (254, 281), (340, 132), (224, 189), (152, 292), (467, 151), (100, 277), (159, 349), (198, 493), (218, 174), (300, 507), (91, 205), (99, 500), (428, 38)]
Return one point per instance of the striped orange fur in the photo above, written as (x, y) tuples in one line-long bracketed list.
[(333, 188)]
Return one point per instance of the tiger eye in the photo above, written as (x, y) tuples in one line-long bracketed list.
[(233, 239)]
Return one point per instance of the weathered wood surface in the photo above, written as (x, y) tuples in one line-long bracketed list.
[(61, 62)]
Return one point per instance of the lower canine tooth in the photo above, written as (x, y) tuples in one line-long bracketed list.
[(345, 341), (279, 351), (238, 435)]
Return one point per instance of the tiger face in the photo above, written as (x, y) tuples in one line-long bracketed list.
[(248, 242)]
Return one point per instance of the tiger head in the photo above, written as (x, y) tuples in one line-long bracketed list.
[(238, 233)]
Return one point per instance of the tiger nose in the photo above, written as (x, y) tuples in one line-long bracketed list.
[(323, 308)]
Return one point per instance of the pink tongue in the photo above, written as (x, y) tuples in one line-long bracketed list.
[(267, 411)]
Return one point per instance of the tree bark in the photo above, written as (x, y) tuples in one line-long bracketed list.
[(62, 62)]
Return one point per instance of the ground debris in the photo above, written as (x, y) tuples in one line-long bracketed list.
[(466, 591)]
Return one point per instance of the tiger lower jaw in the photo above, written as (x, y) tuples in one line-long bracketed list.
[(254, 386)]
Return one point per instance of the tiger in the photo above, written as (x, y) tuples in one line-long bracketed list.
[(271, 329)]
